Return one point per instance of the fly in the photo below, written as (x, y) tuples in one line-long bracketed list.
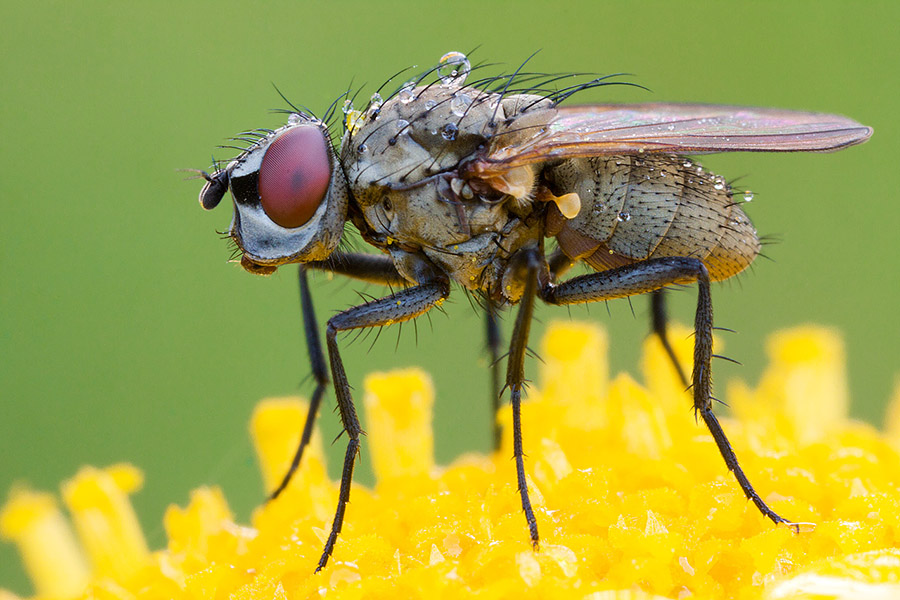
[(457, 183)]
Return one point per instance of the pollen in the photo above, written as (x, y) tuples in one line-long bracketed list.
[(353, 121), (632, 498)]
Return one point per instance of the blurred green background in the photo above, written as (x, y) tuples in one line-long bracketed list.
[(126, 336)]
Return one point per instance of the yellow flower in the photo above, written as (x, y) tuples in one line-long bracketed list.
[(631, 495)]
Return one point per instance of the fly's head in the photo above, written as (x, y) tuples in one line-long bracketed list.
[(290, 196)]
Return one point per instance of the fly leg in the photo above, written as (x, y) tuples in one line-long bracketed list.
[(659, 322), (366, 267), (401, 306), (371, 268), (527, 265), (319, 372), (493, 346), (558, 264), (380, 269), (648, 276)]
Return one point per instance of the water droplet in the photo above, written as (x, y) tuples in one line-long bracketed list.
[(671, 128), (429, 104), (374, 108), (624, 216), (699, 169), (402, 127), (688, 164), (347, 108), (460, 103), (294, 118), (406, 94), (719, 186), (453, 68), (449, 131), (362, 148), (748, 196)]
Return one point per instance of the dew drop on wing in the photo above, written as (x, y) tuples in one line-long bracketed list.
[(748, 196)]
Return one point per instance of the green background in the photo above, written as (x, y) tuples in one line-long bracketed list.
[(126, 336)]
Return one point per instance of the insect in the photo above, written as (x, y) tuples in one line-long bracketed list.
[(458, 183)]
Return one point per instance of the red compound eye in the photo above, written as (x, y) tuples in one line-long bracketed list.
[(294, 176)]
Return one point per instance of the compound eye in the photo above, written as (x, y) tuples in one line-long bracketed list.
[(294, 176)]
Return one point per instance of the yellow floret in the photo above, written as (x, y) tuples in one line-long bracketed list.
[(105, 520), (892, 419), (51, 555), (399, 409), (632, 498)]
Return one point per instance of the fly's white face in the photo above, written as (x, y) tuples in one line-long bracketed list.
[(290, 195)]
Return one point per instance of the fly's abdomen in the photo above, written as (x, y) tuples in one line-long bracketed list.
[(634, 208)]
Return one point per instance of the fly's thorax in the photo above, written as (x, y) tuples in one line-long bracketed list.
[(469, 239), (401, 158), (421, 216), (425, 130), (640, 207)]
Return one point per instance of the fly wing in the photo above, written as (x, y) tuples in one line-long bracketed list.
[(580, 131)]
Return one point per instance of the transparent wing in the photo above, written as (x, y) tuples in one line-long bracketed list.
[(580, 131)]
